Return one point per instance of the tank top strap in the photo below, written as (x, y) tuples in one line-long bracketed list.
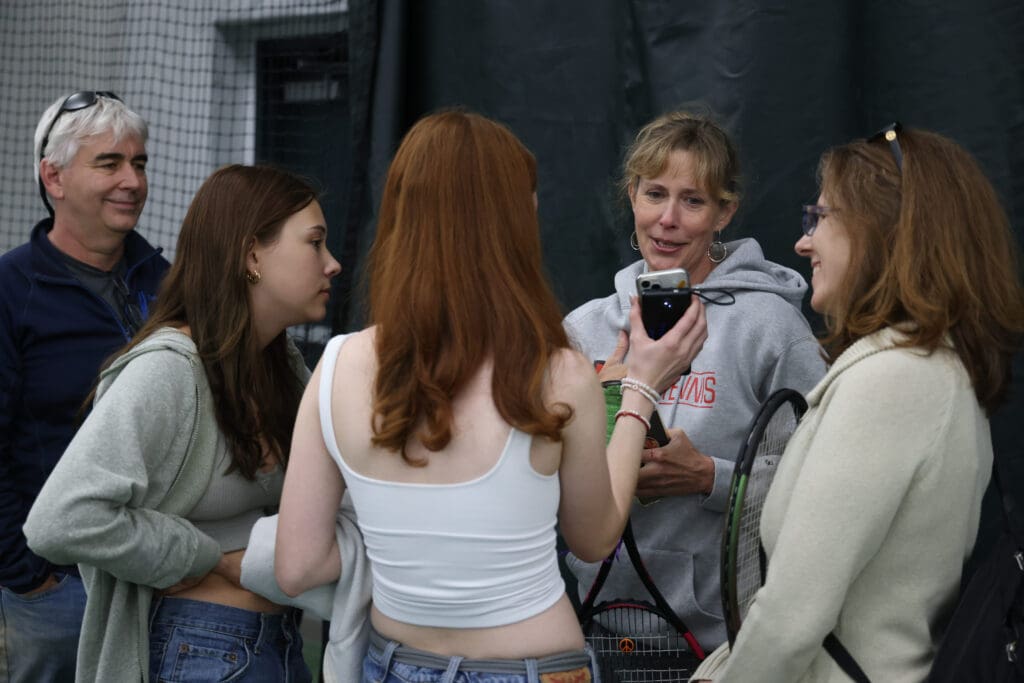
[(328, 362)]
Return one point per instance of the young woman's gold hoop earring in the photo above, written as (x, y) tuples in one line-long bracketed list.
[(253, 276)]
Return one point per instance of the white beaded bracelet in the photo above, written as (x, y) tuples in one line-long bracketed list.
[(645, 390)]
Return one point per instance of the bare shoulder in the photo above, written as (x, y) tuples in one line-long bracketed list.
[(358, 347), (571, 375)]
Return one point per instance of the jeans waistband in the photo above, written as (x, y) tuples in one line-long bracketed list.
[(241, 622), (563, 661)]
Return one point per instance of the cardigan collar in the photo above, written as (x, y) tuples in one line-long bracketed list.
[(883, 340)]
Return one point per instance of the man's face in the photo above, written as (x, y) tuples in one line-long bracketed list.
[(104, 187)]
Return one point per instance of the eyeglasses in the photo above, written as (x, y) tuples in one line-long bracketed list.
[(83, 99), (812, 213), (890, 135), (131, 312)]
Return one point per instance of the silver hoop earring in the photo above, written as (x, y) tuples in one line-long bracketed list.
[(634, 241), (253, 276), (717, 251)]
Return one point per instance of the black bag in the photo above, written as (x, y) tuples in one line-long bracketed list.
[(984, 640)]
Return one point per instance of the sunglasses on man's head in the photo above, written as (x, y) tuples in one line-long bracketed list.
[(891, 135), (83, 99)]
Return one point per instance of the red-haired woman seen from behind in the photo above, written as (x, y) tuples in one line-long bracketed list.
[(465, 427)]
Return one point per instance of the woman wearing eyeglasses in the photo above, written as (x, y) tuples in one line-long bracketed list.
[(876, 502), (186, 445)]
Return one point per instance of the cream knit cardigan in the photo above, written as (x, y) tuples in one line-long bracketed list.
[(872, 513)]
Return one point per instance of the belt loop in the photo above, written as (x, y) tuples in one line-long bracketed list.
[(452, 671), (385, 658), (595, 671), (531, 671), (288, 633), (154, 607), (291, 625), (261, 636)]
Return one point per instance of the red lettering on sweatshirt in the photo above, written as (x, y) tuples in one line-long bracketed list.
[(696, 390)]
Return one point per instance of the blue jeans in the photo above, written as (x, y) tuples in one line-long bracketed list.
[(193, 641), (39, 634), (390, 662)]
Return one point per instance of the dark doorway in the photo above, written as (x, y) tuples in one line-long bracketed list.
[(302, 124)]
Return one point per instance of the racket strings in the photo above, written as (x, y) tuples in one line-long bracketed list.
[(749, 570), (635, 644)]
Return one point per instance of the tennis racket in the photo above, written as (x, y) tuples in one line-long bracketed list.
[(637, 641), (743, 560)]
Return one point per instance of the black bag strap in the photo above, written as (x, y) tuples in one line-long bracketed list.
[(1009, 506), (838, 651), (844, 659)]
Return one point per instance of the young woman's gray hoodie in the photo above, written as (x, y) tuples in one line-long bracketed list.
[(755, 346), (116, 502)]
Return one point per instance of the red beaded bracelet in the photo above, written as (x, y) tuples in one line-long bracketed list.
[(636, 415)]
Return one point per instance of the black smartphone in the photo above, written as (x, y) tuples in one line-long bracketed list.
[(661, 309), (664, 297), (656, 435)]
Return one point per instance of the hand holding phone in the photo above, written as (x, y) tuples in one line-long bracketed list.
[(664, 297)]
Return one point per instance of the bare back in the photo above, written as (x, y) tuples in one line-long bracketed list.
[(478, 438)]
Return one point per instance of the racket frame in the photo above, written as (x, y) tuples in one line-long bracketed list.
[(737, 498), (588, 608)]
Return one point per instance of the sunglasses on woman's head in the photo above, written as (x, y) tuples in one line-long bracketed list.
[(891, 135)]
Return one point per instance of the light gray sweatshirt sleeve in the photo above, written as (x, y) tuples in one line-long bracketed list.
[(96, 506), (345, 603), (258, 573)]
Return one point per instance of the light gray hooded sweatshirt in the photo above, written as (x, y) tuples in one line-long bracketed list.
[(116, 502), (755, 346)]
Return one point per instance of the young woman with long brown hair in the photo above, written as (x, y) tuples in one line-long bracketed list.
[(186, 445), (464, 426)]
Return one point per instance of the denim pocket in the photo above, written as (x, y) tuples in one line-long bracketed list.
[(183, 654), (50, 593)]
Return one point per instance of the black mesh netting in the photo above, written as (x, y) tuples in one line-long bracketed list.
[(218, 82)]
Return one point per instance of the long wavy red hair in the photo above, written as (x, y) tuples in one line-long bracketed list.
[(456, 279)]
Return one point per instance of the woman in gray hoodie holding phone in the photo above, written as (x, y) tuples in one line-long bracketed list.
[(682, 179)]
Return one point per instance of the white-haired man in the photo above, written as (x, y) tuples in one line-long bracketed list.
[(73, 294)]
